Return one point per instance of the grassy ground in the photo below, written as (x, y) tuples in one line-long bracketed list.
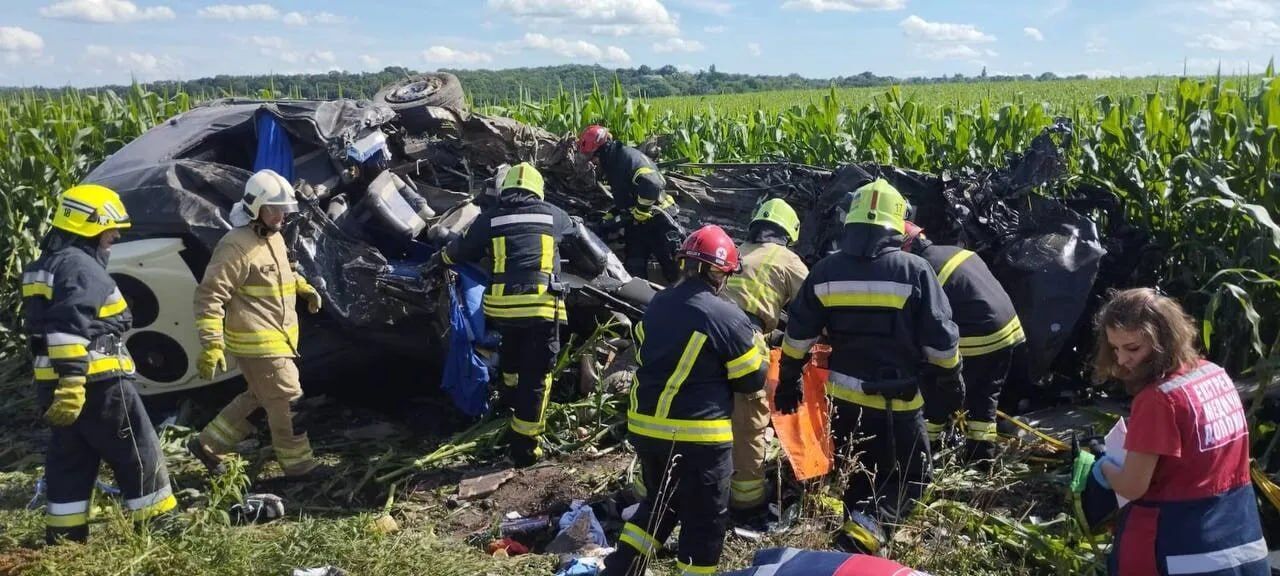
[(1006, 522)]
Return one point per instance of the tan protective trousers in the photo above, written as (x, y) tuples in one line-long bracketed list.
[(750, 418), (272, 385)]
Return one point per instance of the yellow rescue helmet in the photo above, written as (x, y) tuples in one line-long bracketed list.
[(878, 204), (90, 209), (523, 176), (779, 212)]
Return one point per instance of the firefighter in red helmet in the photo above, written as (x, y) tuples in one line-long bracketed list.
[(695, 351)]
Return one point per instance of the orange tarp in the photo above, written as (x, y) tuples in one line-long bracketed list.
[(805, 435)]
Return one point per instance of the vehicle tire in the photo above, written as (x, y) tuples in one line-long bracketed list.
[(411, 96)]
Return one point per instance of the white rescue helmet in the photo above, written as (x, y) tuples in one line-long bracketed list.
[(265, 188)]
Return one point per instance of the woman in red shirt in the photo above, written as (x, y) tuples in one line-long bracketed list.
[(1186, 471)]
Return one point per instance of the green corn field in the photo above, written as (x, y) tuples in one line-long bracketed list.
[(1191, 160)]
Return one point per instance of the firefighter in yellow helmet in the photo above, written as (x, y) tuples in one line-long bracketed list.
[(245, 307), (75, 320), (889, 326), (521, 235), (771, 277)]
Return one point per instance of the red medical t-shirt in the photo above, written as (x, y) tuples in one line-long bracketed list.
[(1195, 422)]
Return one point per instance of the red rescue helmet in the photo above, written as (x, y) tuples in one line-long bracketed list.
[(712, 246), (592, 139), (910, 233)]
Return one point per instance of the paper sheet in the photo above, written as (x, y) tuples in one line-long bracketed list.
[(1114, 443)]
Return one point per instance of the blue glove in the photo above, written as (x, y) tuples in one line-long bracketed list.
[(1097, 471)]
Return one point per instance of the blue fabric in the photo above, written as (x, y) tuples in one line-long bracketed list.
[(466, 377), (474, 282), (1216, 536), (581, 567), (275, 151), (576, 510)]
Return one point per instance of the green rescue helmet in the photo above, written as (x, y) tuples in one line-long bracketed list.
[(878, 204), (780, 213), (525, 177)]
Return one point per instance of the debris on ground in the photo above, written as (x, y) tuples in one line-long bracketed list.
[(482, 486), (321, 571), (258, 508)]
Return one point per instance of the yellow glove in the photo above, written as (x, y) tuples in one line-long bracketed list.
[(211, 361), (308, 292), (641, 214), (68, 401)]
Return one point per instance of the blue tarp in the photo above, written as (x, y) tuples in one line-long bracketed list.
[(275, 152), (466, 376)]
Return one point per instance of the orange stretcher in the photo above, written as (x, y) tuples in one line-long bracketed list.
[(805, 435)]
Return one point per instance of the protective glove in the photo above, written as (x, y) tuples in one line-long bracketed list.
[(308, 293), (1080, 470), (211, 361), (774, 339), (1097, 471), (788, 396), (68, 401)]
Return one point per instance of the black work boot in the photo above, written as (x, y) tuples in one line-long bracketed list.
[(211, 461), (523, 450)]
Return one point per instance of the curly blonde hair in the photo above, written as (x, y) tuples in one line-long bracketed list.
[(1166, 325)]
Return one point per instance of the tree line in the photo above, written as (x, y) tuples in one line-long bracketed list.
[(511, 84)]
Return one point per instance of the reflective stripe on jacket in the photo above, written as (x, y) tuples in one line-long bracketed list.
[(885, 317), (521, 236), (633, 178), (246, 301), (771, 277), (75, 317), (980, 306), (695, 350)]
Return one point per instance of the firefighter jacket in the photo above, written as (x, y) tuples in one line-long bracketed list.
[(980, 307), (885, 317), (75, 315), (771, 277), (633, 178), (248, 295), (695, 351), (521, 235)]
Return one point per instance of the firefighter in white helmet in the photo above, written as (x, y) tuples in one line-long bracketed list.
[(245, 307)]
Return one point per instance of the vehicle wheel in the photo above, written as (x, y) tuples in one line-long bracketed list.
[(411, 96)]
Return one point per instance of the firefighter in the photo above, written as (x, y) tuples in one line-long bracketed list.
[(889, 326), (245, 307), (695, 351), (521, 233), (75, 319), (989, 331), (770, 279), (640, 205)]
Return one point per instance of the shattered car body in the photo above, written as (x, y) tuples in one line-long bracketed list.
[(180, 179)]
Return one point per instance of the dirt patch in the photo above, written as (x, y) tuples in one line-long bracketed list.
[(547, 488), (15, 561)]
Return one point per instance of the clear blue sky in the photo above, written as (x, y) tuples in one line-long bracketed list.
[(91, 42)]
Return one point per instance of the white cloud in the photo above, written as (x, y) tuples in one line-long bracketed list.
[(267, 42), (18, 41), (105, 11), (1231, 66), (918, 28), (323, 56), (234, 12), (717, 7), (327, 18), (1246, 9), (678, 45), (754, 49), (601, 17), (448, 56), (370, 61), (1095, 45), (616, 55), (295, 19), (843, 5), (142, 65), (1033, 33), (953, 52), (1057, 7), (714, 29), (1218, 43)]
